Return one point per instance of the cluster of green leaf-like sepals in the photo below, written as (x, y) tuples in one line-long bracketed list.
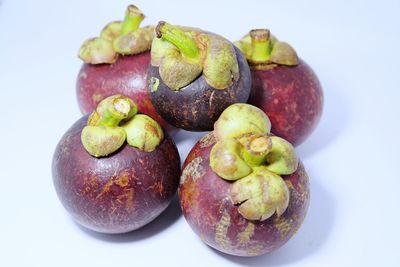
[(261, 48), (249, 155), (116, 120), (183, 53), (118, 38)]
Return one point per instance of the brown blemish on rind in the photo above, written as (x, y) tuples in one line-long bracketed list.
[(89, 183), (123, 179), (255, 250), (97, 97), (245, 236), (284, 226), (207, 140), (221, 231), (193, 170)]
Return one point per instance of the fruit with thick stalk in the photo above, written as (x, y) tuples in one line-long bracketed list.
[(194, 75), (116, 62), (115, 171), (283, 86), (242, 189)]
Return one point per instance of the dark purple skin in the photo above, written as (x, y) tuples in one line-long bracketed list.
[(207, 207), (127, 76), (292, 98), (198, 105), (118, 193)]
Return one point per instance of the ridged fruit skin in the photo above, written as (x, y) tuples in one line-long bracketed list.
[(292, 98), (127, 76), (197, 106), (118, 193), (206, 205)]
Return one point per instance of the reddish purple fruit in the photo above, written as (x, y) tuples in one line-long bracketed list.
[(283, 86), (117, 63), (233, 190), (109, 185)]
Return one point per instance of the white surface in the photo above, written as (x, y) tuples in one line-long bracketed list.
[(352, 157)]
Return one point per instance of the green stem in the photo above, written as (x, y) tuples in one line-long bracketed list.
[(132, 20), (256, 149), (261, 44), (112, 110), (179, 38)]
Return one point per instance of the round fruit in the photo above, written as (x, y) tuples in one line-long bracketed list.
[(109, 185), (243, 190)]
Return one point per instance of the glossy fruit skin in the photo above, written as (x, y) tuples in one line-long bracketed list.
[(198, 105), (127, 76), (118, 193), (292, 98), (206, 205)]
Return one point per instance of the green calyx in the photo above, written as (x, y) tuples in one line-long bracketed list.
[(143, 132), (111, 31), (114, 121), (118, 38), (182, 54), (101, 141), (241, 119), (226, 160), (260, 195), (97, 51), (261, 48), (135, 42), (248, 154), (282, 158)]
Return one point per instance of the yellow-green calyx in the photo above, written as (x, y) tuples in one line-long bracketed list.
[(261, 48), (143, 132), (118, 38), (182, 54), (97, 51), (241, 119), (226, 160), (248, 154), (114, 121), (260, 194)]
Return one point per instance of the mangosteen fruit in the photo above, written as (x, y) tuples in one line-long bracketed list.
[(243, 190), (194, 75), (117, 63), (115, 170), (283, 86)]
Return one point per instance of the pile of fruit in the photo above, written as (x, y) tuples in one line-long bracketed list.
[(242, 188)]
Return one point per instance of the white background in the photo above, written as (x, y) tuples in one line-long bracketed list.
[(352, 158)]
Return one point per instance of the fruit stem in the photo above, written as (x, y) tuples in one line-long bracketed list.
[(261, 43), (132, 20), (256, 149), (179, 38), (112, 110)]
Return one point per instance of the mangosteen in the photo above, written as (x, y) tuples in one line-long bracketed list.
[(115, 170), (243, 190), (283, 86), (117, 63), (194, 75)]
